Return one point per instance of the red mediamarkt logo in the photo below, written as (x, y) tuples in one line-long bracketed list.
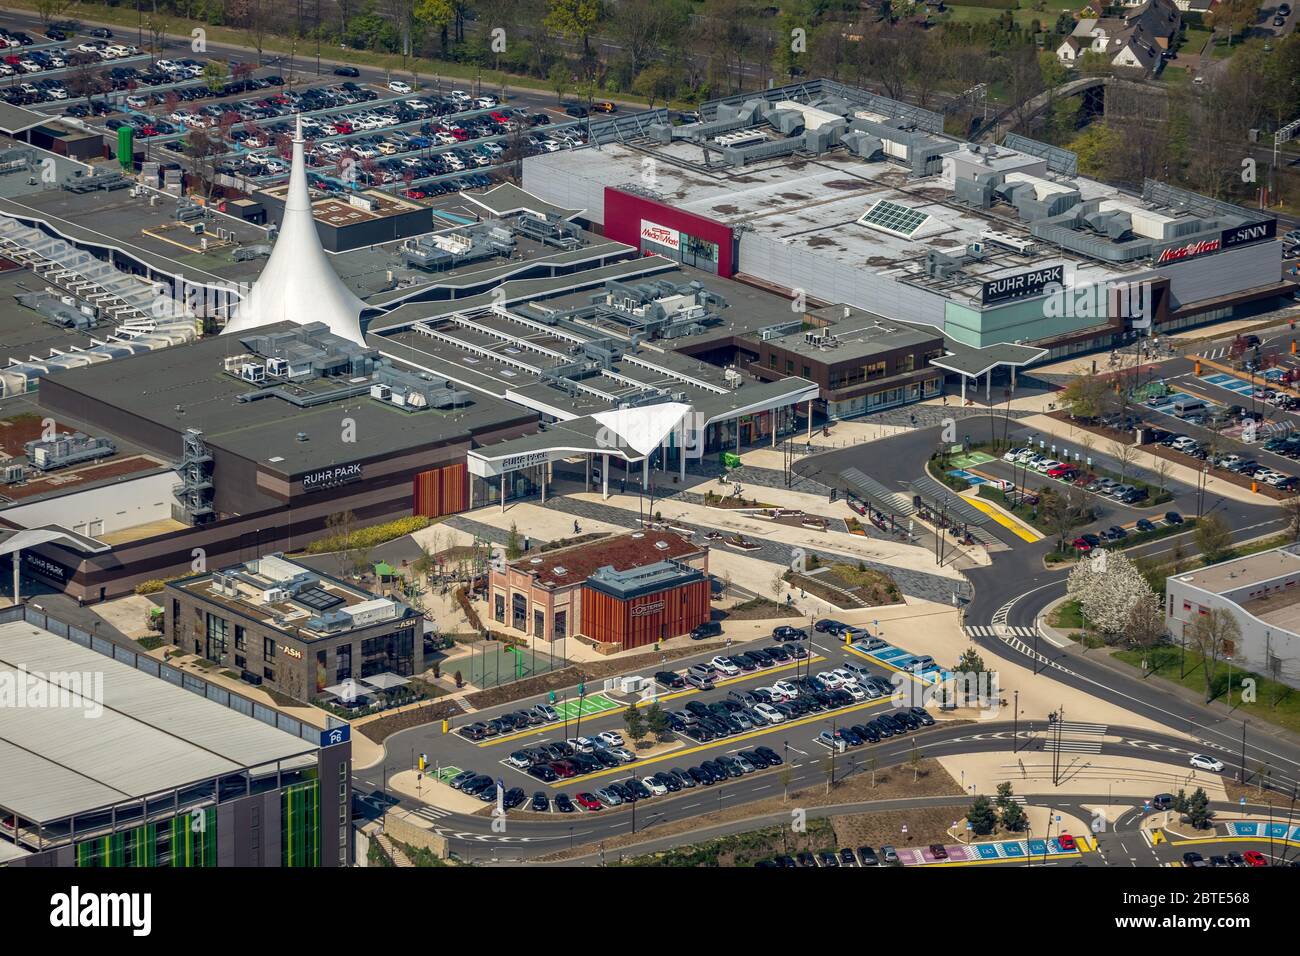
[(1174, 253)]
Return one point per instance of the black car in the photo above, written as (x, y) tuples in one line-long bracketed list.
[(867, 856), (707, 629), (1173, 517), (671, 783), (543, 772), (771, 756), (514, 797), (867, 732), (670, 679), (923, 715), (100, 33), (1144, 524), (577, 112), (827, 626), (777, 653), (563, 803), (850, 737), (346, 71), (53, 34), (540, 802), (700, 775), (787, 633)]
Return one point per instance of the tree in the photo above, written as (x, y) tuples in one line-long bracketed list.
[(1232, 16), (561, 80), (657, 722), (1014, 818), (340, 528), (971, 662), (1126, 455), (1107, 586), (214, 75), (1085, 397), (1291, 511), (1145, 626), (981, 817), (1199, 813), (1162, 474), (575, 20), (1213, 537), (49, 9), (657, 83), (513, 549), (1005, 793), (1214, 632), (635, 722)]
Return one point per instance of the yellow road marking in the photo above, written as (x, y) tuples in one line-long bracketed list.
[(726, 741), (1015, 526)]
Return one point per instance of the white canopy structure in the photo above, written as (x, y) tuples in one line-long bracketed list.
[(299, 284)]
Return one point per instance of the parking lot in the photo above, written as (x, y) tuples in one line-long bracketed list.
[(837, 697), (240, 118)]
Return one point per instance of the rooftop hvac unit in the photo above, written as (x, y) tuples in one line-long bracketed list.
[(277, 366), (252, 372), (12, 474), (274, 595), (1007, 241)]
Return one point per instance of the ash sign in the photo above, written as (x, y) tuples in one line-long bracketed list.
[(331, 477), (1022, 284)]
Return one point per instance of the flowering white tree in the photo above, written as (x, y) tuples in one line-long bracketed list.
[(1107, 586)]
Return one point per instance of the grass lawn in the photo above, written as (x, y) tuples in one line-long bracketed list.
[(1194, 40), (1068, 614), (1274, 702)]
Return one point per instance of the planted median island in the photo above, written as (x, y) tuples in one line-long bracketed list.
[(843, 584)]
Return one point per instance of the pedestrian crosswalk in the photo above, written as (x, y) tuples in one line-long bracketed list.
[(431, 813), (1073, 736), (1216, 354), (999, 633), (1017, 638)]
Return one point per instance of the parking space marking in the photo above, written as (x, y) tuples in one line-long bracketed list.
[(747, 735), (726, 682)]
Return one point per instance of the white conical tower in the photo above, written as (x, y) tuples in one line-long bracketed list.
[(299, 284)]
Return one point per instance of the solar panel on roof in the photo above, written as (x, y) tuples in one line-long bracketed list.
[(894, 218), (318, 599)]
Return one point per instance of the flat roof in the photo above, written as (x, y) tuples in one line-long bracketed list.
[(1243, 572), (564, 567), (185, 387), (152, 736), (815, 204)]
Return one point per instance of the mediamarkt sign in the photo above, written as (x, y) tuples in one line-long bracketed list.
[(1189, 250), (662, 235), (329, 477)]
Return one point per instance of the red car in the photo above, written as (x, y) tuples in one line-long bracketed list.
[(499, 117), (458, 134), (413, 194), (587, 801), (1254, 858), (343, 126), (564, 769), (1064, 472), (1066, 841), (1081, 545)]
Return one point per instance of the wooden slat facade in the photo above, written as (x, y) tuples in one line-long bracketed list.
[(441, 491), (643, 620)]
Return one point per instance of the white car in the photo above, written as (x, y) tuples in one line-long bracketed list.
[(1013, 455), (117, 50), (769, 713), (654, 786), (399, 86), (830, 680), (786, 689), (724, 666), (459, 96), (854, 691), (485, 103), (1202, 762), (581, 744), (846, 675), (612, 737)]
